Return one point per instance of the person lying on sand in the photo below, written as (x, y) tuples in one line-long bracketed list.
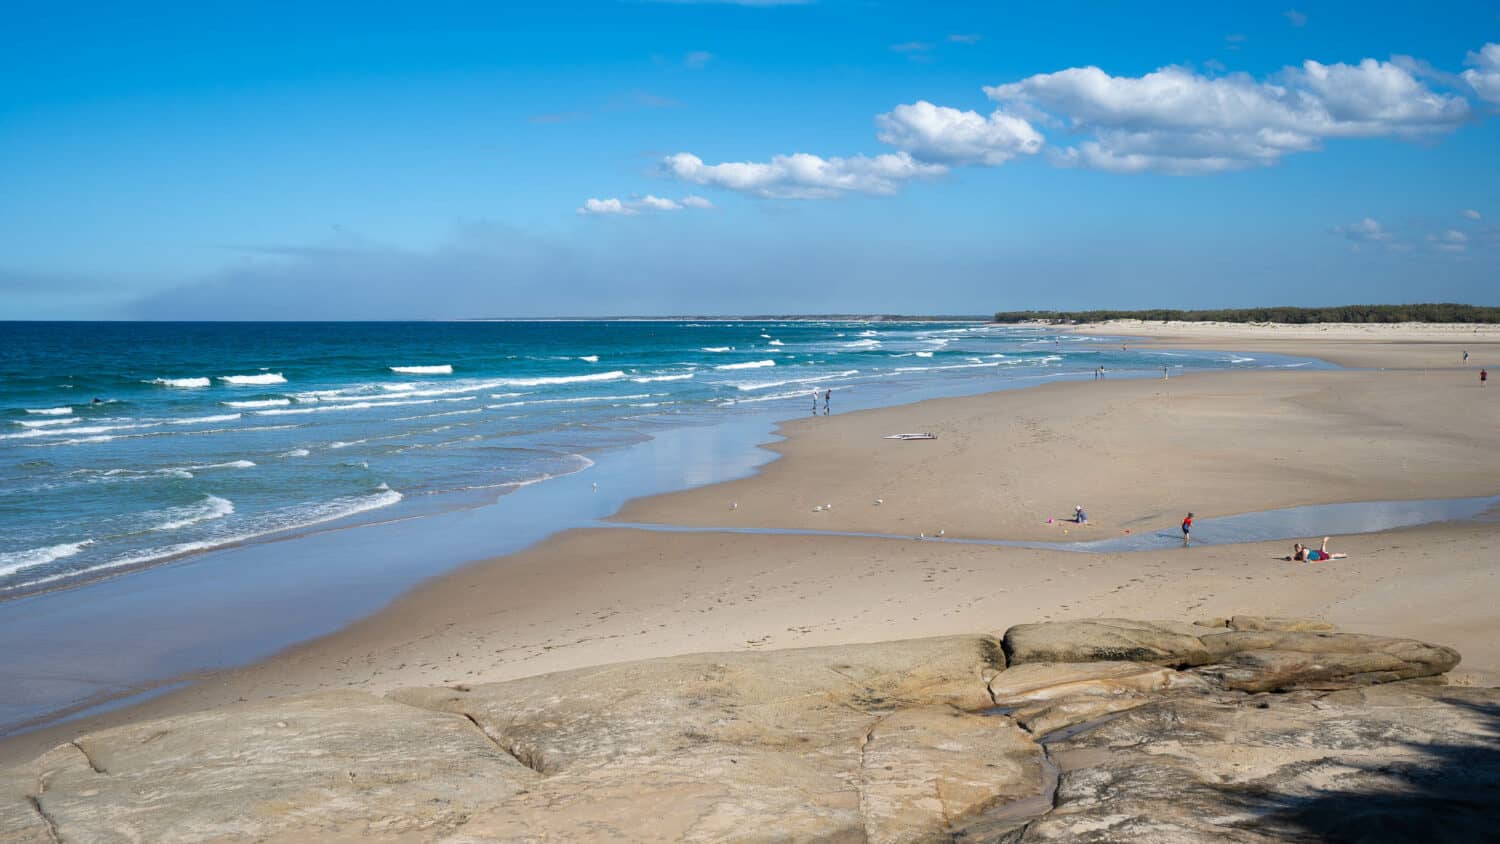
[(1303, 554)]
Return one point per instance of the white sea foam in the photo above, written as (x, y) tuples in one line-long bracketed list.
[(647, 379), (31, 433), (590, 358), (292, 518), (357, 405), (572, 400), (296, 452), (232, 464), (948, 366), (44, 423), (775, 343), (799, 394), (14, 561), (253, 380), (811, 379), (437, 415), (180, 382), (863, 344), (754, 364), (258, 403), (440, 369), (210, 508), (50, 411), (194, 420), (718, 348), (561, 379), (867, 334), (923, 354)]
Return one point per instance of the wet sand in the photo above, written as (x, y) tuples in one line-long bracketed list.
[(1137, 454)]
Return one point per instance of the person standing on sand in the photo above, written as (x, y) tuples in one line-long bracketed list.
[(827, 397), (1484, 376), (1466, 357), (1187, 530)]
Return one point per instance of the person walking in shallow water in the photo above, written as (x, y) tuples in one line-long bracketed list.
[(827, 397), (1187, 530)]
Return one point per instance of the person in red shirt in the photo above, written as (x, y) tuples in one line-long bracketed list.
[(1187, 530)]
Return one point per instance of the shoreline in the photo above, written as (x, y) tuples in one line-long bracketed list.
[(530, 588)]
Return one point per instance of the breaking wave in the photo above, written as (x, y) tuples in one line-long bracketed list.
[(252, 380), (754, 364), (439, 369)]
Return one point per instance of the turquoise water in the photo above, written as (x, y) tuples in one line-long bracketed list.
[(127, 445)]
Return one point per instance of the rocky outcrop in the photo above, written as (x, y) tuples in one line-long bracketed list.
[(1389, 763), (1249, 653), (1106, 640), (925, 740)]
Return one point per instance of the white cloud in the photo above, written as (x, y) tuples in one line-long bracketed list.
[(1451, 240), (1367, 230), (804, 176), (656, 203), (632, 207), (1483, 74), (912, 47), (949, 136), (1295, 18), (965, 38), (697, 59), (605, 206), (1178, 121), (1470, 213)]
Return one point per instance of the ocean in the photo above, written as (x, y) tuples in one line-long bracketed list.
[(128, 445)]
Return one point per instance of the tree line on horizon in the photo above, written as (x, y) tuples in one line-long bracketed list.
[(1438, 312)]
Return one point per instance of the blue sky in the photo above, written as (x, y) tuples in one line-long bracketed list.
[(215, 160)]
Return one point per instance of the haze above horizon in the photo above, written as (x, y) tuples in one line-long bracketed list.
[(454, 160)]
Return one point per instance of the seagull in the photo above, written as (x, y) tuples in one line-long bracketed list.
[(921, 536), (827, 506), (941, 532), (596, 487), (735, 506), (818, 509), (879, 501)]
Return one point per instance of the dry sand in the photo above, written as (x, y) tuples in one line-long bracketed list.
[(1392, 346), (1137, 453)]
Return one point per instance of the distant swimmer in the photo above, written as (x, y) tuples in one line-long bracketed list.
[(1303, 554), (97, 400), (1187, 530)]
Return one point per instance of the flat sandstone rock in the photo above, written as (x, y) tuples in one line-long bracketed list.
[(920, 740)]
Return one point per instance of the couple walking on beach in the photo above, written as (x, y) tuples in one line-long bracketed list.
[(827, 398)]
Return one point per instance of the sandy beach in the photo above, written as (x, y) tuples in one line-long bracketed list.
[(1138, 454)]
